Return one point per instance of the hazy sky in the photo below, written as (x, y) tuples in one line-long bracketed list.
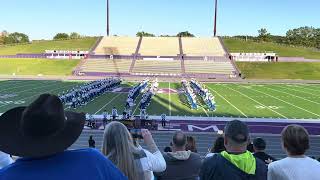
[(42, 19)]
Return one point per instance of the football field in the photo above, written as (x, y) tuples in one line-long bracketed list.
[(233, 100)]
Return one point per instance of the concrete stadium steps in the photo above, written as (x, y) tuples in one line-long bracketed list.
[(208, 67), (117, 45), (159, 46), (106, 65), (157, 66), (202, 47), (204, 141)]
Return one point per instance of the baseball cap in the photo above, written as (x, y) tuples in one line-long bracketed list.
[(237, 131)]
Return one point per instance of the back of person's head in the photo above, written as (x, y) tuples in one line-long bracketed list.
[(118, 147), (218, 146), (167, 149), (236, 135), (179, 140), (191, 144), (259, 144), (295, 140), (250, 147)]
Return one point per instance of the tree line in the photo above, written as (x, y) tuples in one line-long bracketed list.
[(18, 38), (303, 36), (180, 34)]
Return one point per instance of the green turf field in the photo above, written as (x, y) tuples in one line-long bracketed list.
[(237, 45), (280, 70), (37, 66), (233, 100), (39, 47)]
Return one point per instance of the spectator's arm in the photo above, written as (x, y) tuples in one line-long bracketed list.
[(156, 161)]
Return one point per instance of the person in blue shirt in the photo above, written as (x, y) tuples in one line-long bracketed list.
[(40, 135)]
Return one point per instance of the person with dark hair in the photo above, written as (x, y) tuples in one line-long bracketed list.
[(191, 144), (236, 162), (45, 132), (250, 147), (181, 164), (259, 146), (92, 142), (167, 149), (218, 147), (297, 166)]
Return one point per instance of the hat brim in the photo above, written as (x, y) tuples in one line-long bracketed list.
[(13, 142)]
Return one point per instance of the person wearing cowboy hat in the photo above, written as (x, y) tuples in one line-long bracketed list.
[(40, 134)]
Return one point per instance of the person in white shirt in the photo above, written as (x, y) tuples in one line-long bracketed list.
[(297, 166), (5, 160)]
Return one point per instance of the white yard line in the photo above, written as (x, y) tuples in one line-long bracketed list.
[(304, 87), (39, 94), (292, 95), (205, 111), (228, 102), (107, 103), (298, 90), (169, 99), (258, 102), (287, 102)]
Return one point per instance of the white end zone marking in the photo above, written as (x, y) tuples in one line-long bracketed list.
[(257, 102), (287, 102), (292, 95)]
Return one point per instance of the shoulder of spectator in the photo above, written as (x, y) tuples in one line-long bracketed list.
[(156, 161)]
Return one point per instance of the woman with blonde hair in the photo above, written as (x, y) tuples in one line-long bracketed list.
[(135, 163)]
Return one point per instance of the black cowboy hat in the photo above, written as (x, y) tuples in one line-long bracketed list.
[(41, 129)]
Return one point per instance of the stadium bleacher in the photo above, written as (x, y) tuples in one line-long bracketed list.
[(106, 65), (204, 141), (157, 66), (202, 47), (117, 46), (159, 46), (195, 66)]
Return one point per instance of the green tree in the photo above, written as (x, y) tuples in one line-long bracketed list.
[(75, 35), (16, 38), (264, 35), (144, 34), (61, 36), (303, 36), (185, 34)]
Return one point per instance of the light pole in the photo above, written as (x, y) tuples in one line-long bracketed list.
[(215, 18), (108, 28)]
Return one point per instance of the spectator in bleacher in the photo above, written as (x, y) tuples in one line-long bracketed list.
[(5, 159), (259, 146), (41, 134), (92, 142), (191, 144), (250, 147), (236, 162), (135, 163), (218, 147), (297, 166), (181, 164), (167, 149)]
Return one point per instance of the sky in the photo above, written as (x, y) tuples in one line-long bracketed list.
[(42, 19)]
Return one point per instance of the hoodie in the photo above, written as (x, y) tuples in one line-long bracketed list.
[(181, 165), (225, 166)]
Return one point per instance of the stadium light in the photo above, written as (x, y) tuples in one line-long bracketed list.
[(215, 18), (108, 28)]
